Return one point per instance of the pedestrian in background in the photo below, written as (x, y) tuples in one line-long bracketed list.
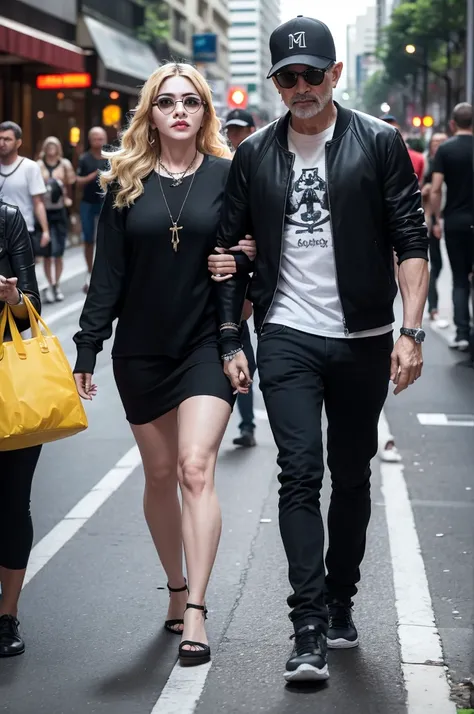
[(90, 164), (329, 193), (453, 166), (436, 260), (159, 221), (22, 185), (58, 175), (17, 467), (417, 158), (238, 126)]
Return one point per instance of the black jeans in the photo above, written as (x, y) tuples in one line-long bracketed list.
[(298, 374), (245, 401), (460, 247), (436, 265), (17, 469)]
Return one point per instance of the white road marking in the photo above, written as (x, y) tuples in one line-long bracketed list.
[(422, 656), (182, 691), (63, 312), (73, 521), (261, 414), (445, 420)]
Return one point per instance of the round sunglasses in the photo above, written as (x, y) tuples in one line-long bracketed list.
[(288, 79), (167, 105)]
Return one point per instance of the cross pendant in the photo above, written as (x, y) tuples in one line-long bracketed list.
[(175, 236)]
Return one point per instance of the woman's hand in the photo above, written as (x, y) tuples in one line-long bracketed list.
[(84, 385), (248, 246), (8, 290), (223, 266)]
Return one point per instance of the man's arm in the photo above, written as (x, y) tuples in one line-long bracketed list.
[(40, 213), (235, 223), (409, 237), (436, 197)]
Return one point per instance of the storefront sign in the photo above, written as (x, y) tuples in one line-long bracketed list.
[(74, 80)]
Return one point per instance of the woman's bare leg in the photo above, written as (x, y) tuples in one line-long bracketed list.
[(158, 445), (201, 425)]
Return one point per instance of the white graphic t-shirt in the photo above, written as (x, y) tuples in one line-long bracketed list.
[(18, 183), (307, 297)]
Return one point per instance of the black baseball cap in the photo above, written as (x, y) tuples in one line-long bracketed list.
[(301, 41), (239, 117)]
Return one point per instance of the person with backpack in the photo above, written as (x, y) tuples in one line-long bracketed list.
[(59, 176)]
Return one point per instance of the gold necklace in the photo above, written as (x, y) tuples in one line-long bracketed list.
[(174, 223)]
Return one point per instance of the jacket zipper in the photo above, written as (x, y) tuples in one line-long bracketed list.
[(281, 243), (344, 324)]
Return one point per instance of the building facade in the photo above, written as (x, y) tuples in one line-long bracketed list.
[(252, 22), (361, 53)]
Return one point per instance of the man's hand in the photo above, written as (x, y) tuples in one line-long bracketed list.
[(237, 370), (407, 363), (45, 239), (84, 386), (437, 230), (223, 266)]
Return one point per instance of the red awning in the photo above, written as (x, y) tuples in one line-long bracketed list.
[(23, 41)]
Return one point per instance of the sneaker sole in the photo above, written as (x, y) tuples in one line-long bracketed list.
[(341, 644), (307, 673)]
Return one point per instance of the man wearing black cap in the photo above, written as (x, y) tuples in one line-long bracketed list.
[(328, 194), (239, 125)]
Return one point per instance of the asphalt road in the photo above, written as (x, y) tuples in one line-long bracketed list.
[(92, 616)]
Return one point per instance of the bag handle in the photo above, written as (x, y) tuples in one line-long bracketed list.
[(35, 321)]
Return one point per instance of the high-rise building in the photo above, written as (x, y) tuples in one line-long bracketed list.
[(361, 52), (384, 11), (252, 22)]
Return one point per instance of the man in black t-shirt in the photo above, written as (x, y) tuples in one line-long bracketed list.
[(453, 164), (90, 164)]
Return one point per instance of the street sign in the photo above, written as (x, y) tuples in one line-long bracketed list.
[(74, 80), (205, 47)]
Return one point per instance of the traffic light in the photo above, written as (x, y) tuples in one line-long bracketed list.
[(427, 121), (237, 98)]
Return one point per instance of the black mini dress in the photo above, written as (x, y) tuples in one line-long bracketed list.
[(165, 349)]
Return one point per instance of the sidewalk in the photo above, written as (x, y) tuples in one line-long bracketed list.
[(74, 265)]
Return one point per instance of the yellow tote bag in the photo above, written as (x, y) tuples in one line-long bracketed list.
[(38, 397)]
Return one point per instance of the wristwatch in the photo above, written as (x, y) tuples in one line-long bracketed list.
[(416, 333)]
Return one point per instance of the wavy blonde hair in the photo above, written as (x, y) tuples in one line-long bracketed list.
[(136, 158)]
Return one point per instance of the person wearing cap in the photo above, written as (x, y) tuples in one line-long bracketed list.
[(239, 125), (327, 193), (417, 158)]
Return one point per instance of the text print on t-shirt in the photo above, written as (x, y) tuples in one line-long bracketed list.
[(308, 208)]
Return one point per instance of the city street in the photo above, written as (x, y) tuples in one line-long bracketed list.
[(95, 600)]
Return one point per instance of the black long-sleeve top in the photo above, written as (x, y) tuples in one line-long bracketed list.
[(164, 300)]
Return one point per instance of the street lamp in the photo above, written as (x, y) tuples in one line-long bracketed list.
[(385, 107), (410, 49)]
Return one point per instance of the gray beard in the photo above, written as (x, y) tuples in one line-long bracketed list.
[(312, 108)]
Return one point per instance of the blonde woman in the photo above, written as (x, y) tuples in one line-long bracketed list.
[(158, 224), (59, 176)]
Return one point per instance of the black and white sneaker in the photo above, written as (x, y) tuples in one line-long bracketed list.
[(342, 633), (308, 662)]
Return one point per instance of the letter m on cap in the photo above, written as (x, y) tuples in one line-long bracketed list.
[(299, 38)]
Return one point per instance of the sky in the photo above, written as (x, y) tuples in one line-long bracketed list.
[(337, 14)]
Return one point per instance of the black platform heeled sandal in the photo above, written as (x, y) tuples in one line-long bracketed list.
[(191, 658), (171, 624)]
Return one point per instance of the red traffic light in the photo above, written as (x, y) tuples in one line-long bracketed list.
[(237, 98)]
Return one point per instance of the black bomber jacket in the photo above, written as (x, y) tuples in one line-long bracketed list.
[(374, 204), (16, 256)]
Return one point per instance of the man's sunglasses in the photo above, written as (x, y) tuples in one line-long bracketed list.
[(288, 79)]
